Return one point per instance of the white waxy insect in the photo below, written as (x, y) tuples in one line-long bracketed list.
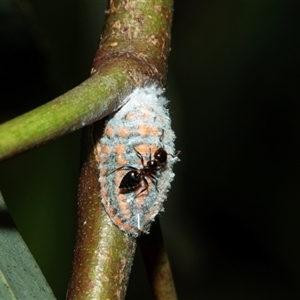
[(136, 159)]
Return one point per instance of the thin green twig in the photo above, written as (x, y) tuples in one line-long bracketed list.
[(81, 106), (157, 264)]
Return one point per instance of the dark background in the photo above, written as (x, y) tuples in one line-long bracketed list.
[(231, 223)]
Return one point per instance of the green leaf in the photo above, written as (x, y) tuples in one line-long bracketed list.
[(20, 276)]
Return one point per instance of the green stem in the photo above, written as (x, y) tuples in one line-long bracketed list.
[(103, 254), (157, 264), (81, 106), (137, 31)]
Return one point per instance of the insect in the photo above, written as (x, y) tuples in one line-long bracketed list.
[(133, 195), (136, 176)]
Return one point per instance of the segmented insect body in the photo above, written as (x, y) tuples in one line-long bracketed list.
[(135, 168)]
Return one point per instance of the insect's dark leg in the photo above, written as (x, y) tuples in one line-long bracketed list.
[(140, 156), (154, 180), (175, 155), (146, 184), (120, 168)]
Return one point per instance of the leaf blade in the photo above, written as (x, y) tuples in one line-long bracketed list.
[(20, 276)]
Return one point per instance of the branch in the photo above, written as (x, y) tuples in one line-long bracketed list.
[(103, 254), (136, 35), (157, 264)]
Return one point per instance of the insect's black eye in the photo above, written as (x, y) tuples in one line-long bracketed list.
[(161, 155), (153, 164)]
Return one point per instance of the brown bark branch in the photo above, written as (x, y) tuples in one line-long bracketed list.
[(137, 33)]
